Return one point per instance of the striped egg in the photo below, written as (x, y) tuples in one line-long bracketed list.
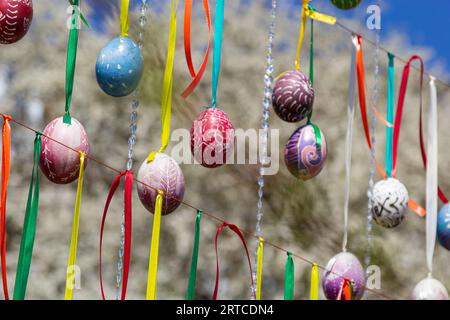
[(346, 4), (304, 158), (293, 96), (58, 163), (390, 200), (164, 174), (15, 19)]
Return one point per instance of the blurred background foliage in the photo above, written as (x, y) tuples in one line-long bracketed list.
[(306, 218)]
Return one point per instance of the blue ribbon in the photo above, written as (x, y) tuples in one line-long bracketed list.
[(218, 36), (390, 114)]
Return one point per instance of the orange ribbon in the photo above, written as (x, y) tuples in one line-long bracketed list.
[(187, 46), (413, 205), (6, 155)]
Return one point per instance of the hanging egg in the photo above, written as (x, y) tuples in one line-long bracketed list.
[(212, 138), (343, 265), (163, 173), (15, 19), (119, 67), (293, 96), (303, 157), (443, 227), (390, 200), (429, 289), (346, 4), (58, 163)]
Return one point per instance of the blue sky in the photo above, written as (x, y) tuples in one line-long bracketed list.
[(405, 16)]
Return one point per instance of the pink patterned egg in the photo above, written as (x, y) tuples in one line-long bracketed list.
[(212, 138), (59, 163), (293, 96), (164, 174), (15, 19), (304, 159), (429, 289), (343, 265)]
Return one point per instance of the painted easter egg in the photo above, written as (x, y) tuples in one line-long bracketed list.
[(390, 200), (346, 4), (429, 289), (212, 138), (119, 67), (164, 174), (293, 96), (59, 163), (443, 227), (15, 19), (304, 158), (343, 266)]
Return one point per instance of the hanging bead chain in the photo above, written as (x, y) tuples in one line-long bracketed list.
[(264, 133), (375, 96), (131, 143)]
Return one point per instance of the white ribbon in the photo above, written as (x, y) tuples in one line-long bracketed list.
[(432, 177), (349, 141)]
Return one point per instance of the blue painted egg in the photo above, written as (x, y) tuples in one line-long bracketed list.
[(119, 67), (443, 228)]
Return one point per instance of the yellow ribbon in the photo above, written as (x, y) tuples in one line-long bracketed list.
[(124, 20), (166, 101), (154, 248), (70, 276), (306, 12), (314, 291), (259, 268)]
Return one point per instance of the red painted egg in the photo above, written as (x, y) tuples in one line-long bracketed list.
[(164, 174), (59, 163), (212, 138), (15, 19)]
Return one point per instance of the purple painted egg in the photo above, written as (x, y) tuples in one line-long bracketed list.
[(303, 157), (293, 96), (429, 289), (59, 163), (212, 138), (164, 174), (343, 265)]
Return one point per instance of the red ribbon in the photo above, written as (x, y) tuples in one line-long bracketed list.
[(413, 205), (6, 155), (236, 230), (127, 224), (346, 291), (403, 88), (187, 46)]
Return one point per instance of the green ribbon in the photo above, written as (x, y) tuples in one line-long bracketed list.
[(190, 295), (390, 113), (72, 57), (29, 226), (289, 278)]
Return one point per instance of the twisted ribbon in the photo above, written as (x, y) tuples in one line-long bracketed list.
[(314, 290), (154, 249), (236, 230), (217, 56), (124, 19), (127, 223), (29, 226), (71, 262), (6, 157), (196, 76), (190, 295), (166, 103)]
